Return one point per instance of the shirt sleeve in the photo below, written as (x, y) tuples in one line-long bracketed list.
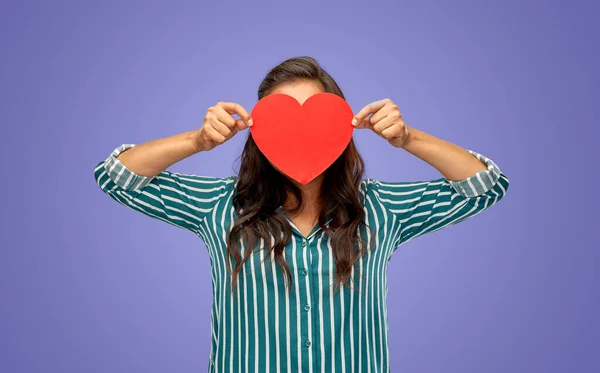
[(179, 199), (418, 208)]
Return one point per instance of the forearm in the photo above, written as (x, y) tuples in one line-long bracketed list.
[(452, 161), (153, 157)]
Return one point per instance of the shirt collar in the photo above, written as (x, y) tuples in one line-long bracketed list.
[(327, 221)]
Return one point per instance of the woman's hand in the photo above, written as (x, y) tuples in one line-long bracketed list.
[(219, 125), (386, 121), (452, 161)]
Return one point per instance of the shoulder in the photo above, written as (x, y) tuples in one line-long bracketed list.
[(202, 186), (368, 189), (200, 179), (369, 185)]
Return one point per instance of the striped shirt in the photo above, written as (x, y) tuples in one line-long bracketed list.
[(263, 327)]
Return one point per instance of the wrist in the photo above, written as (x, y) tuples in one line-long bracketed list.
[(403, 141), (196, 141)]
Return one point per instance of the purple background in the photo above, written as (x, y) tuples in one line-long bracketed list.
[(87, 285)]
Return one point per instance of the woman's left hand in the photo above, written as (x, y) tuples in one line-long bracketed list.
[(386, 121)]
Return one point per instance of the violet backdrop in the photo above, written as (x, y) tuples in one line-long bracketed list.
[(87, 285)]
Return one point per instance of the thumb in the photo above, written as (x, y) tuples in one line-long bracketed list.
[(240, 125), (364, 123), (233, 132)]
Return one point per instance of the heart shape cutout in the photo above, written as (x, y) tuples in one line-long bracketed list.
[(302, 141)]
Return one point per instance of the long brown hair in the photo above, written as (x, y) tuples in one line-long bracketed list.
[(261, 190)]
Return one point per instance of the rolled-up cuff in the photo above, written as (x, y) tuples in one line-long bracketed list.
[(481, 182), (121, 175)]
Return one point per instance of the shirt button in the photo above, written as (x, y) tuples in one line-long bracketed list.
[(303, 242), (307, 308), (307, 343), (304, 271)]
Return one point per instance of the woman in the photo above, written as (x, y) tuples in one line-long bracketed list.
[(299, 271)]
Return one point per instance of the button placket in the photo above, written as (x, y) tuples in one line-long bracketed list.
[(316, 242), (305, 286)]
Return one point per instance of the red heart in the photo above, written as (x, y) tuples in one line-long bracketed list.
[(302, 140)]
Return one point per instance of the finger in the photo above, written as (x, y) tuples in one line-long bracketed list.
[(369, 109), (393, 131), (386, 111), (213, 135), (384, 123), (219, 127), (224, 117), (365, 123), (232, 133), (234, 108), (240, 125)]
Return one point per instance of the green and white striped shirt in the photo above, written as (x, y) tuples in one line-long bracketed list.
[(265, 328)]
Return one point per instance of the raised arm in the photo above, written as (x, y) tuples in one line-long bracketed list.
[(470, 184), (153, 157), (137, 177), (452, 161)]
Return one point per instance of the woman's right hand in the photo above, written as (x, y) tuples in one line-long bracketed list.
[(219, 124)]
